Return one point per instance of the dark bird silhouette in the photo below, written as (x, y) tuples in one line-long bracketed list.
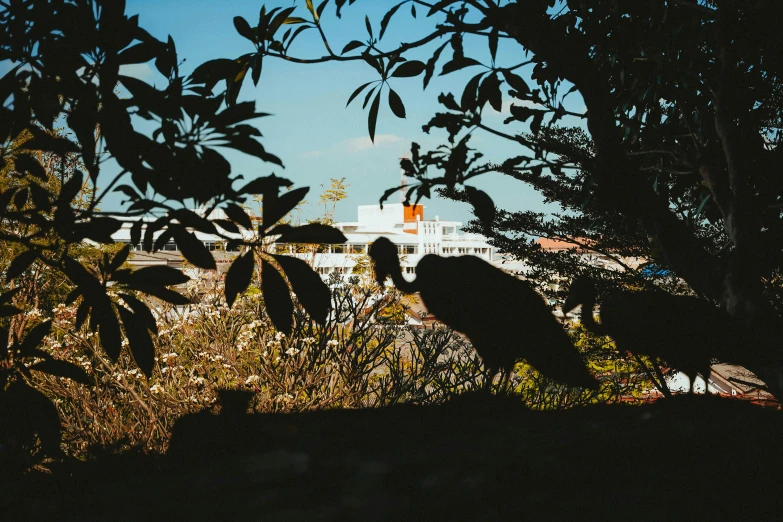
[(687, 332), (504, 317)]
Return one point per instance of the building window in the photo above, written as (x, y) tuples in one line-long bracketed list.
[(323, 270), (338, 249), (410, 269)]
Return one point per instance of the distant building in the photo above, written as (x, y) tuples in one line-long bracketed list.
[(404, 226)]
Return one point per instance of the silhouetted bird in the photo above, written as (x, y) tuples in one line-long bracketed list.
[(504, 317), (687, 332)]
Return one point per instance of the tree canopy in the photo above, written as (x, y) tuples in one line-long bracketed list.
[(676, 156)]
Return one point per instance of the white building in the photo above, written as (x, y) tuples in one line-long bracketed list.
[(404, 226)]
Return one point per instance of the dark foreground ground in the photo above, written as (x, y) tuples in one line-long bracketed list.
[(477, 458)]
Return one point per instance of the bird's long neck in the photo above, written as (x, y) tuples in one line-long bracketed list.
[(401, 283), (588, 304)]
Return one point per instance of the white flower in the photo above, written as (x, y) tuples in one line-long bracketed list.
[(279, 336), (35, 313), (332, 342), (156, 388), (166, 357), (308, 340), (252, 379), (292, 351)]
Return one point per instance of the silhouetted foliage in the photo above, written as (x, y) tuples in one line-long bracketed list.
[(69, 111), (674, 158)]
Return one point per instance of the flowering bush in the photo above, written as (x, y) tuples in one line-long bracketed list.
[(355, 360)]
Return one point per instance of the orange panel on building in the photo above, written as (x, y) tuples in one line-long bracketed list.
[(412, 212)]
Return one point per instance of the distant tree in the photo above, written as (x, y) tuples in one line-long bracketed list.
[(676, 156)]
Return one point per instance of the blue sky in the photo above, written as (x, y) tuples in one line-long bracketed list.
[(311, 130)]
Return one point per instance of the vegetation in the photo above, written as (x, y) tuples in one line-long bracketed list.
[(674, 157), (677, 164)]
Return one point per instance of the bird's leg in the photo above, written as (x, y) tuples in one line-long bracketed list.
[(706, 374), (506, 380), (489, 378)]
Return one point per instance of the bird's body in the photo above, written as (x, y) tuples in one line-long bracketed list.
[(686, 332), (504, 317)]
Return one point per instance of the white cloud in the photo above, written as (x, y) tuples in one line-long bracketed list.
[(355, 145), (140, 71), (311, 154), (363, 142)]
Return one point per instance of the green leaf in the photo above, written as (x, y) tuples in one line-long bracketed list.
[(468, 100), (244, 29), (35, 337), (275, 209), (358, 91), (8, 310), (372, 117), (350, 46), (429, 69), (490, 91), (108, 329), (277, 298), (368, 25), (139, 341), (192, 249), (65, 369), (387, 18), (7, 296), (294, 20), (308, 287), (238, 215), (142, 312), (409, 69), (493, 43), (256, 64), (239, 276), (156, 275), (440, 5), (457, 64), (309, 4), (119, 258), (516, 82), (369, 95), (265, 185), (278, 20), (395, 104), (20, 263), (321, 7)]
